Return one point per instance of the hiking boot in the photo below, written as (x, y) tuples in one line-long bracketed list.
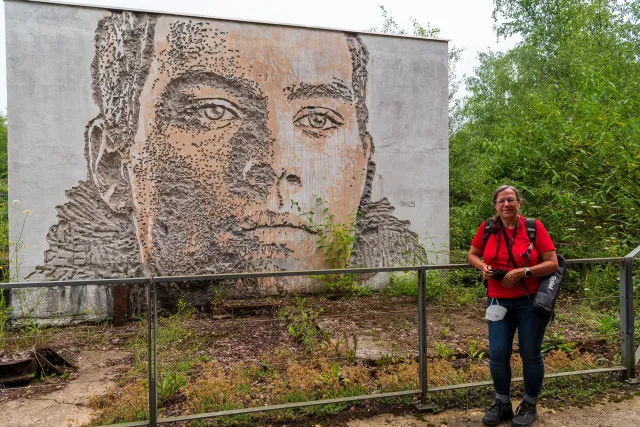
[(498, 413), (526, 414)]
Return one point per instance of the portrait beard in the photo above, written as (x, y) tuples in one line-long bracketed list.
[(203, 228)]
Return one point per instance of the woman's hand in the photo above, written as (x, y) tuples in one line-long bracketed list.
[(513, 277), (487, 272)]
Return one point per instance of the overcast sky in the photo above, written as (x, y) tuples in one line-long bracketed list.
[(467, 23)]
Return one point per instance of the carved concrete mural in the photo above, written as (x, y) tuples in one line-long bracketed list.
[(209, 137)]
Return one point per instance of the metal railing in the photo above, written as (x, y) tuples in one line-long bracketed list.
[(630, 356)]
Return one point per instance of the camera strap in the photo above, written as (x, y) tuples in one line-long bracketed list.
[(511, 257)]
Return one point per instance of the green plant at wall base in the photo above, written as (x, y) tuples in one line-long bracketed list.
[(345, 284), (28, 301), (4, 233), (335, 240), (403, 284), (4, 166)]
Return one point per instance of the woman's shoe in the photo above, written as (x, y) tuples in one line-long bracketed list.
[(498, 413), (526, 414)]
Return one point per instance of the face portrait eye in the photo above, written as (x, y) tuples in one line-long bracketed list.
[(317, 119), (216, 113)]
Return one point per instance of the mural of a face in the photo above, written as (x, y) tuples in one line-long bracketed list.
[(205, 138), (237, 122)]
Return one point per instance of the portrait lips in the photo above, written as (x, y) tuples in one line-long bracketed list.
[(275, 221), (288, 233)]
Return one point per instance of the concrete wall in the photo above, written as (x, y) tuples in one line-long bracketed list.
[(169, 145)]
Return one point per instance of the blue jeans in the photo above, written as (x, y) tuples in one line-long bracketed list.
[(531, 325)]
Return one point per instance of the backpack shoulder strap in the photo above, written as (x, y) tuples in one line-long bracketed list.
[(531, 225), (487, 227)]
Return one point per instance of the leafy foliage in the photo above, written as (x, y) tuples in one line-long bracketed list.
[(335, 240), (557, 117), (302, 324), (169, 384), (557, 341)]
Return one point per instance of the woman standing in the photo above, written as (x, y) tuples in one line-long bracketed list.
[(506, 289)]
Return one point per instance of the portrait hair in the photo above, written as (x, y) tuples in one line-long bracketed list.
[(124, 44)]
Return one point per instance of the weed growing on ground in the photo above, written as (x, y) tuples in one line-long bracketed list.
[(302, 324), (403, 284), (557, 341), (443, 350), (28, 302), (174, 341), (474, 351), (609, 325), (169, 383)]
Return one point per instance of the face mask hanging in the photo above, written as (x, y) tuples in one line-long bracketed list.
[(495, 312)]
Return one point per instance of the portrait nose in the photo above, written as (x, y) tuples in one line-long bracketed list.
[(287, 163), (284, 191)]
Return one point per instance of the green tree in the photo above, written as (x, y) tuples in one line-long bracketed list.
[(557, 116)]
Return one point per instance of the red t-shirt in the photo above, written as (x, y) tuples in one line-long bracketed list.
[(520, 245)]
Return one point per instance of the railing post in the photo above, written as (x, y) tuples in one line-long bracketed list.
[(425, 404), (627, 341), (152, 324)]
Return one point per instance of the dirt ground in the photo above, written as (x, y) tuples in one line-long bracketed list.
[(245, 330), (66, 404), (621, 414)]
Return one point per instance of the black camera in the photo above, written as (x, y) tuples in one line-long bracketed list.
[(499, 274)]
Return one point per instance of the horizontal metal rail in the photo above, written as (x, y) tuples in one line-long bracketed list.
[(258, 275), (520, 379), (289, 406), (595, 260)]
